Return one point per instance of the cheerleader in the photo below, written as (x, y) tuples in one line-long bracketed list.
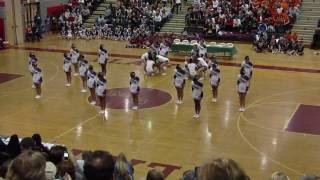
[(83, 72), (164, 49), (69, 34), (242, 86), (179, 82), (161, 63), (202, 47), (67, 68), (197, 95), (32, 60), (202, 66), (134, 89), (74, 52), (192, 68), (144, 59), (91, 83), (102, 59), (150, 67), (214, 81), (101, 91), (248, 67), (214, 63), (37, 79)]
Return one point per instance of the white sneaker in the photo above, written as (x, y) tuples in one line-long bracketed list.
[(93, 103), (180, 101), (201, 79), (83, 90), (214, 100), (241, 109), (68, 84), (196, 116), (101, 111), (164, 74), (33, 86), (75, 74), (37, 97), (134, 107), (177, 101)]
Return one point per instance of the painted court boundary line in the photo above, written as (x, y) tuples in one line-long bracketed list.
[(232, 64)]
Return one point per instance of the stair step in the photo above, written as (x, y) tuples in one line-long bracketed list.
[(98, 13), (307, 26), (101, 8), (311, 13), (309, 17)]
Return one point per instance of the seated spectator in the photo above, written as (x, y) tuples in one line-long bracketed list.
[(13, 147), (38, 143), (3, 146), (28, 165), (155, 174), (123, 169), (4, 164), (27, 144), (222, 169), (279, 176), (100, 166), (66, 170)]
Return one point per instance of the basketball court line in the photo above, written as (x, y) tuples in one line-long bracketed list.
[(253, 147), (7, 93), (232, 64), (291, 116), (261, 153)]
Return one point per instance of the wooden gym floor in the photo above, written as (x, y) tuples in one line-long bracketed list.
[(284, 94)]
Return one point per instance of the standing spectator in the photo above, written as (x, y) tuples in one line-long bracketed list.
[(28, 165), (13, 148), (123, 169), (100, 166), (155, 174)]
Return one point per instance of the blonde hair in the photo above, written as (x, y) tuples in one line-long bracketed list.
[(279, 176), (27, 166), (222, 169), (122, 165)]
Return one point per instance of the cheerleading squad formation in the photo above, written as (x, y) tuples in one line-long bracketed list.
[(154, 62)]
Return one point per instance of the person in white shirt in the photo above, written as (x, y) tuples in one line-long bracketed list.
[(37, 79), (91, 83), (242, 87), (83, 72), (102, 59), (197, 94), (32, 60), (214, 81), (192, 68), (150, 67), (161, 63), (134, 89), (74, 52), (179, 82), (164, 49), (101, 91), (248, 68), (67, 67), (178, 6), (202, 47), (202, 66)]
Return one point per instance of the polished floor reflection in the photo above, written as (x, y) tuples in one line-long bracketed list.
[(165, 135)]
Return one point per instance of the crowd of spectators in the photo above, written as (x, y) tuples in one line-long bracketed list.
[(289, 43), (31, 159), (122, 21), (219, 17)]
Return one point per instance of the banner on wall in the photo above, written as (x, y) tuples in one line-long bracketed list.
[(2, 28)]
